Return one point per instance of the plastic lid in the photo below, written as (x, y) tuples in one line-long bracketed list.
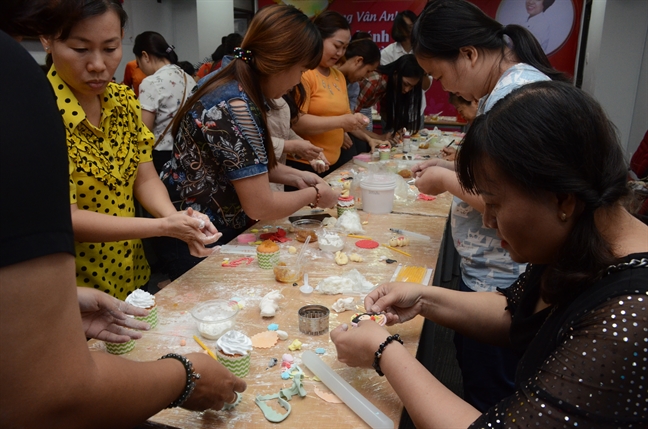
[(386, 181)]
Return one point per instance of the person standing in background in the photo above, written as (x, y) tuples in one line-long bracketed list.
[(223, 159), (396, 88), (133, 76), (402, 34), (284, 140), (354, 89), (162, 92), (326, 116), (361, 58)]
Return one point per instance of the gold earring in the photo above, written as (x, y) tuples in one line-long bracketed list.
[(563, 216)]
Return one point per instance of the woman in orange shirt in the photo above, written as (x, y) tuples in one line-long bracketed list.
[(326, 115)]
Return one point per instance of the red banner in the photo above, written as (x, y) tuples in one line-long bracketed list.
[(557, 28), (376, 17)]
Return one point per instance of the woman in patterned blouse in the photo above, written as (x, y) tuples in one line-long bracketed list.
[(578, 316), (223, 159)]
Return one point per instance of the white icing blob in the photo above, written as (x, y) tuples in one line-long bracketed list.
[(140, 298), (234, 343), (343, 304), (351, 282), (269, 303)]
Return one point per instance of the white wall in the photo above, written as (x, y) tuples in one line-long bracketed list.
[(145, 15), (215, 19), (185, 31), (194, 27), (616, 49)]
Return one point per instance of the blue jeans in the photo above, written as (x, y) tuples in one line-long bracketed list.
[(488, 371)]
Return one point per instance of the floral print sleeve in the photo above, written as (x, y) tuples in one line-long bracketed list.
[(219, 141)]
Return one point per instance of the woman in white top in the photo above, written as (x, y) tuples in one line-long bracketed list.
[(401, 32), (162, 92)]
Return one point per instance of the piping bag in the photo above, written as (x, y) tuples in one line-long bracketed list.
[(350, 396)]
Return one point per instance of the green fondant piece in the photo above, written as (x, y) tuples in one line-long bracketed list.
[(227, 407), (270, 413), (297, 388)]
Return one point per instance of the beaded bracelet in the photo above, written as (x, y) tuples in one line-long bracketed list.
[(191, 377), (381, 349), (317, 198)]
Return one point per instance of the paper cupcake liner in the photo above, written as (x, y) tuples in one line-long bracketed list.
[(267, 261), (341, 210), (152, 318), (120, 348), (238, 365)]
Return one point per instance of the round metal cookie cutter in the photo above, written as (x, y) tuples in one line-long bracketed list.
[(314, 319)]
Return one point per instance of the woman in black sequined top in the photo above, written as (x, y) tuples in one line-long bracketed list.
[(548, 165)]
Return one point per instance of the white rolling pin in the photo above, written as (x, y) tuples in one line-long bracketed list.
[(347, 394)]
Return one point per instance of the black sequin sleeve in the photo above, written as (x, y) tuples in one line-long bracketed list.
[(513, 293), (596, 378)]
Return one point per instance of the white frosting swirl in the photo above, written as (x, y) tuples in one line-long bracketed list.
[(140, 298), (234, 343)]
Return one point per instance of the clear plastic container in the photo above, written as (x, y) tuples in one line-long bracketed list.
[(305, 227), (215, 317), (330, 239), (378, 193)]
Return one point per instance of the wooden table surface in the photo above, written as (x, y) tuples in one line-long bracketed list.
[(249, 283), (439, 207)]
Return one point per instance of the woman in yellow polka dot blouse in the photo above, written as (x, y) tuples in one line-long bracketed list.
[(109, 151)]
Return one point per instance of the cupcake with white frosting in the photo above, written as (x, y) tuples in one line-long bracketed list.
[(233, 349), (142, 299)]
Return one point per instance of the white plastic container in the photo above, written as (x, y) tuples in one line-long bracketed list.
[(378, 193)]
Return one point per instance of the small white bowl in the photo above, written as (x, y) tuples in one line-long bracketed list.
[(215, 317)]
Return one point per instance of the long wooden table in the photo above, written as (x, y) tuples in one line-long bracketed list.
[(249, 283)]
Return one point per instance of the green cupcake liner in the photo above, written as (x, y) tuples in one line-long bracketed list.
[(120, 348), (239, 366), (152, 318), (267, 261)]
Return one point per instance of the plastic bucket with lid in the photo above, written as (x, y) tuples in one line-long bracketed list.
[(378, 193)]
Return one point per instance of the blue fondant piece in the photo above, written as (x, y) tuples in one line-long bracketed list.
[(320, 351), (273, 327), (285, 375)]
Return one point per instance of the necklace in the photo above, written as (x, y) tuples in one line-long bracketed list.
[(633, 263)]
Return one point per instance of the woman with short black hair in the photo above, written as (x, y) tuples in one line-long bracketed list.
[(578, 316)]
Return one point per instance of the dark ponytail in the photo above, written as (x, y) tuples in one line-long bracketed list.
[(365, 48), (446, 26), (528, 50), (155, 45), (570, 147)]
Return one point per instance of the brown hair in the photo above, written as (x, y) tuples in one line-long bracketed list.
[(279, 38)]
